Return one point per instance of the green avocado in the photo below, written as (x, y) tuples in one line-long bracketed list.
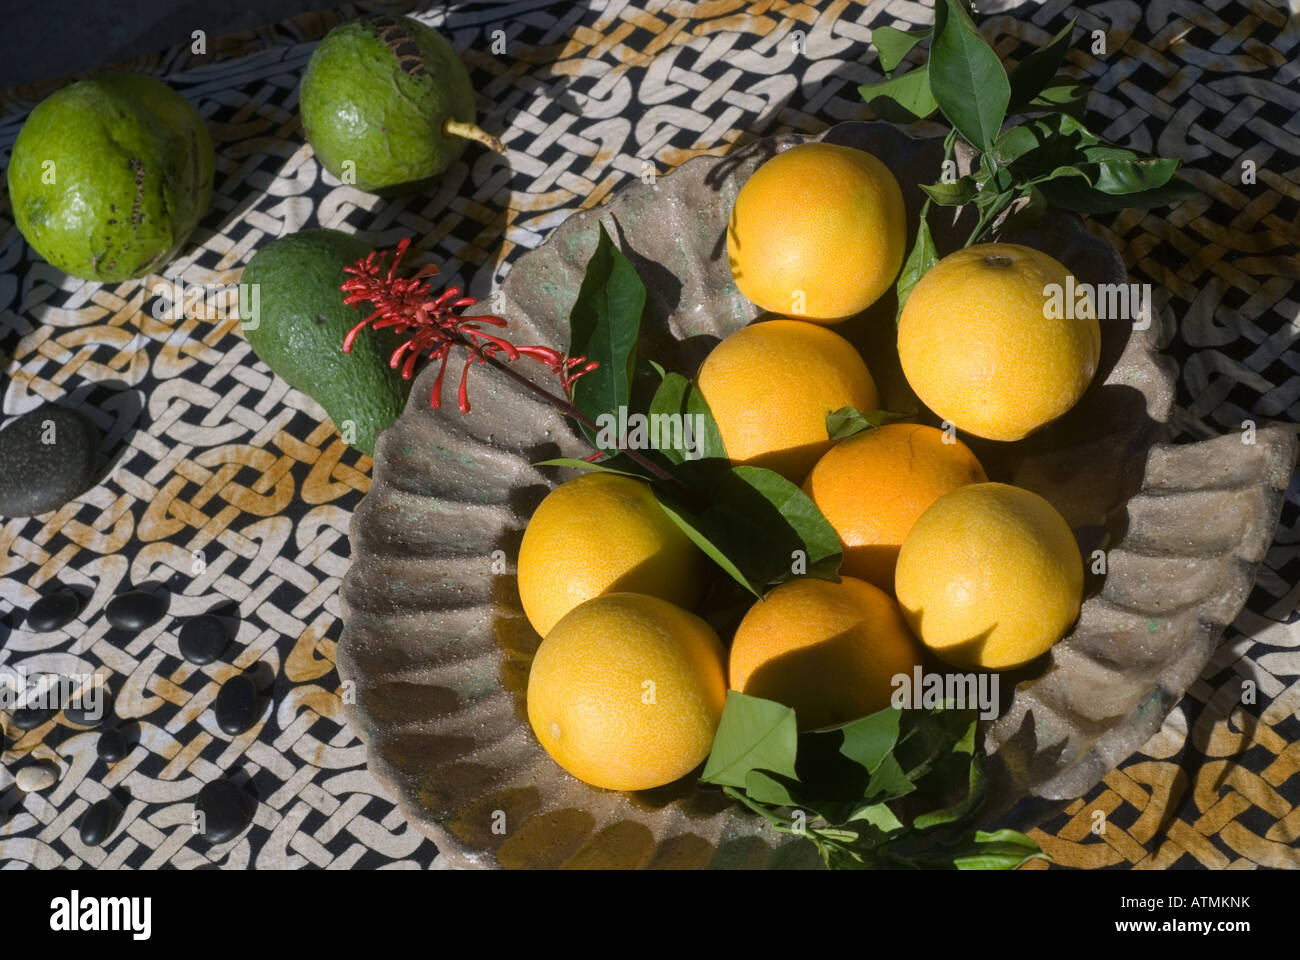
[(109, 177), (298, 329), (376, 99)]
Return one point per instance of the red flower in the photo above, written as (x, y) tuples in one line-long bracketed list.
[(406, 304)]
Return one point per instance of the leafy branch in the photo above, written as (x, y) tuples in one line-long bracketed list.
[(897, 788), (1047, 159)]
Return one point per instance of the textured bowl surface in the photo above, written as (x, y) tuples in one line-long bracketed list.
[(438, 649)]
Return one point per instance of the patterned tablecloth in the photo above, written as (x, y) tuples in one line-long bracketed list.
[(225, 485)]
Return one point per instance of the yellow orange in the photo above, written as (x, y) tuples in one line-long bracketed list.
[(990, 576), (601, 533), (627, 690), (817, 232), (873, 486), (770, 386), (829, 650), (980, 348)]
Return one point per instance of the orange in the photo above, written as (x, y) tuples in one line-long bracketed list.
[(770, 386), (817, 232), (990, 576), (874, 485), (981, 348), (601, 533), (626, 692), (829, 650)]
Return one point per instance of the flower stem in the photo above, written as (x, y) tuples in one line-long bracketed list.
[(569, 410)]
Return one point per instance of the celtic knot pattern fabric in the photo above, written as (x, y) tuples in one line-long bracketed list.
[(227, 487)]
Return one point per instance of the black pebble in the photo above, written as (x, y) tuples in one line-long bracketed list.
[(47, 457), (238, 705), (29, 718), (112, 746), (226, 810), (135, 610), (82, 715), (203, 639), (54, 610), (99, 821)]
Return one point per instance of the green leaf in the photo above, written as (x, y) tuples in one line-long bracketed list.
[(889, 781), (680, 424), (767, 789), (1031, 75), (847, 421), (1122, 176), (691, 525), (1000, 850), (604, 324), (598, 466), (951, 194), (760, 519), (869, 740), (922, 257), (976, 785), (753, 734), (909, 94), (966, 78), (1064, 94), (710, 446), (895, 44), (879, 816), (1077, 195)]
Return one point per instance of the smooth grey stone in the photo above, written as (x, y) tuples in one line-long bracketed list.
[(203, 639), (238, 705), (52, 611), (226, 810), (135, 610), (37, 476), (99, 821)]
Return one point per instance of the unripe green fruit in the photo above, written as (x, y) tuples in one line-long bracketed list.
[(386, 102), (110, 176)]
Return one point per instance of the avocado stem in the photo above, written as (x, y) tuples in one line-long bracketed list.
[(472, 131)]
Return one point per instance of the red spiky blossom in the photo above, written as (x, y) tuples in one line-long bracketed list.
[(407, 305)]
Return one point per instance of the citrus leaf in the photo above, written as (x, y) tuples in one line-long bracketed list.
[(760, 519), (976, 786), (847, 421), (710, 441), (951, 194), (691, 525), (910, 93), (879, 816), (1064, 94), (1074, 194), (1000, 850), (966, 78), (895, 44), (753, 734), (921, 258), (869, 740), (889, 781), (1031, 75), (767, 789), (1124, 176), (604, 324), (681, 427)]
